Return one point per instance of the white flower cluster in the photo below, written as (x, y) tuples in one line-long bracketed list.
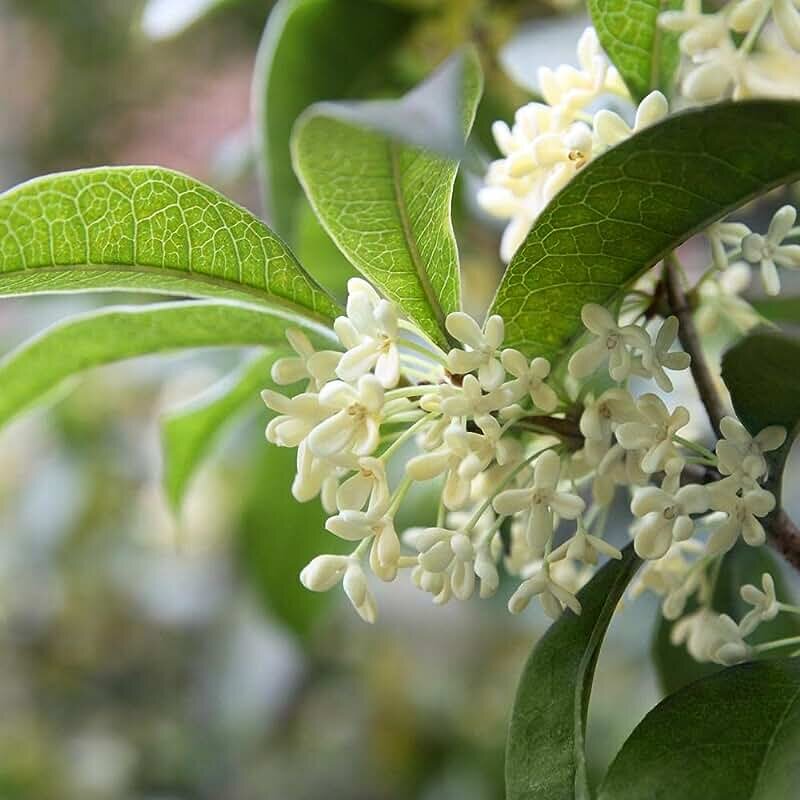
[(735, 50), (552, 140)]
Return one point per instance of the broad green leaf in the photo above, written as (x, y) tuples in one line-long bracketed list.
[(743, 564), (762, 376), (633, 205), (188, 433), (732, 736), (116, 333), (645, 55), (149, 229), (386, 203), (545, 755), (313, 50), (779, 309), (278, 536)]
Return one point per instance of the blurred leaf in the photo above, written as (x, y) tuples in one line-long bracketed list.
[(278, 536), (313, 50), (149, 229), (188, 433), (609, 224), (743, 564), (762, 376), (545, 757), (645, 55), (731, 736), (779, 309), (386, 204), (116, 333)]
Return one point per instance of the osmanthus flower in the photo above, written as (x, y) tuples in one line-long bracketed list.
[(600, 417), (710, 637), (747, 13), (356, 417), (529, 380), (484, 448), (553, 596), (654, 433), (741, 454), (768, 250), (315, 476), (326, 571), (721, 235), (482, 348), (367, 484), (618, 467), (468, 400), (740, 515), (764, 604), (297, 416), (720, 300), (316, 367), (610, 128), (665, 517), (660, 357), (370, 333), (541, 500), (584, 547), (613, 345)]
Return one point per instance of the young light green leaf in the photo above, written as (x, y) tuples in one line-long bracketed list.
[(116, 333), (545, 758), (731, 736), (633, 205), (385, 203), (149, 229), (313, 50), (743, 564), (645, 56), (761, 373), (188, 433)]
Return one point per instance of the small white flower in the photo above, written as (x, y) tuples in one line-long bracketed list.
[(699, 32), (355, 424), (584, 547), (653, 434), (665, 517), (710, 637), (765, 604), (741, 516), (719, 299), (768, 250), (357, 591), (370, 334), (484, 448), (618, 467), (446, 459), (368, 484), (722, 234), (612, 345), (482, 348), (739, 453), (315, 476), (542, 499), (315, 367), (297, 416), (553, 596), (600, 417), (324, 572), (469, 401), (529, 380), (610, 129), (659, 357)]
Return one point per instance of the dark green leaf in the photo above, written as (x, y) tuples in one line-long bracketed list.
[(114, 334), (387, 204), (149, 229), (731, 736), (779, 309), (636, 203), (188, 433), (313, 50), (545, 756), (645, 56)]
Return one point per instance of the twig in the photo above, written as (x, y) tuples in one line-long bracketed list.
[(690, 340)]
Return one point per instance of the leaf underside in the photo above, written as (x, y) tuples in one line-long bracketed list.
[(633, 205)]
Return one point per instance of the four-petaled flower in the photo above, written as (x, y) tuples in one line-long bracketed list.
[(769, 252), (483, 346), (765, 604)]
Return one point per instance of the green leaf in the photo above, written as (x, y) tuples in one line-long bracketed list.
[(313, 50), (387, 204), (732, 736), (743, 564), (545, 755), (113, 334), (278, 536), (779, 309), (188, 433), (150, 229), (762, 376), (645, 55), (633, 205)]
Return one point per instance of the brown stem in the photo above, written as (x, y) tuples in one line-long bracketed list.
[(690, 340)]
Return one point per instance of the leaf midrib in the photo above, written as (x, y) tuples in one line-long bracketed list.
[(411, 242)]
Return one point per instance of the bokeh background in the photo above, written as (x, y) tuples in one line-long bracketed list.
[(157, 656)]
